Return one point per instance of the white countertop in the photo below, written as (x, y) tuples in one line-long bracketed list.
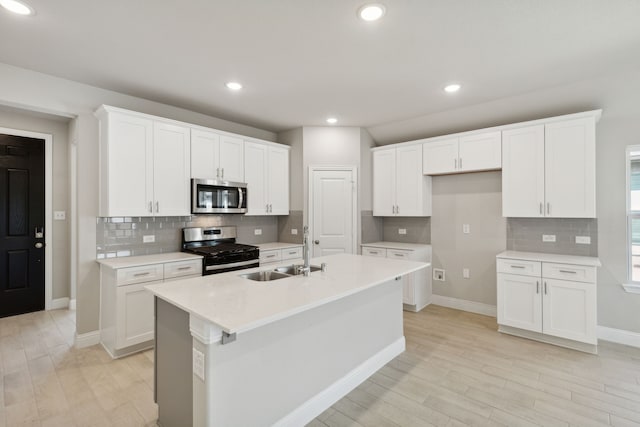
[(277, 245), (397, 245), (557, 258), (236, 304), (136, 261)]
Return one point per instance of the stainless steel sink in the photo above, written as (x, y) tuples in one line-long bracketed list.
[(265, 276), (294, 269)]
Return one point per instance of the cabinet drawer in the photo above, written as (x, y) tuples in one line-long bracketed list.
[(516, 266), (374, 252), (270, 256), (578, 273), (182, 268), (291, 253), (146, 273), (398, 254)]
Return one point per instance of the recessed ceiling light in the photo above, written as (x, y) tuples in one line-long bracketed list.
[(18, 7), (332, 120), (452, 88), (371, 12), (230, 85)]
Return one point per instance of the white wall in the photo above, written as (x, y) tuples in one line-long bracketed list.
[(39, 92)]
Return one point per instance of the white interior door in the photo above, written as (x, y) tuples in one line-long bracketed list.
[(332, 209)]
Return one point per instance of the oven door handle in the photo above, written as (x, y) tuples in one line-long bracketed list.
[(240, 198), (231, 265)]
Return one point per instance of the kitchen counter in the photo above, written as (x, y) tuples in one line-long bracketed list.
[(236, 304), (277, 245), (286, 349), (137, 261), (557, 258), (397, 245)]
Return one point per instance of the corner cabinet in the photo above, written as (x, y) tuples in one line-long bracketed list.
[(267, 178), (144, 165), (549, 169), (547, 297), (469, 153), (399, 187), (216, 156)]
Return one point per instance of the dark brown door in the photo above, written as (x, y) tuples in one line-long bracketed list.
[(21, 225)]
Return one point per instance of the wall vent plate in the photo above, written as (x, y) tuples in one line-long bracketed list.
[(438, 274)]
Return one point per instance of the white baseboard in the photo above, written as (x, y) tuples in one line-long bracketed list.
[(88, 339), (619, 336), (59, 303), (72, 304), (313, 407), (465, 305)]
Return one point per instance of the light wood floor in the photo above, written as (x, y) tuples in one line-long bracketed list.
[(457, 371)]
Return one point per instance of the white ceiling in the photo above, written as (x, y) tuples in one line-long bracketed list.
[(304, 60)]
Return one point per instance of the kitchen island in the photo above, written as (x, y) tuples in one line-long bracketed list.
[(232, 351)]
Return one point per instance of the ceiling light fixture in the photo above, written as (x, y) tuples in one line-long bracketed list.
[(17, 7), (371, 12), (332, 120), (229, 85), (452, 88)]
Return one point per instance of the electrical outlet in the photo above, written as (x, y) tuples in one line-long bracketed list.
[(59, 215), (198, 364), (149, 238), (438, 274), (294, 231), (466, 229), (465, 273), (257, 232), (548, 237), (402, 231), (583, 240)]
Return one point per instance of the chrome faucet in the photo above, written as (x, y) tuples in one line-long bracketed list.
[(306, 250)]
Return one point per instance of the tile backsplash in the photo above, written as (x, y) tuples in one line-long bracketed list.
[(525, 234), (418, 229), (123, 236), (291, 222), (371, 227)]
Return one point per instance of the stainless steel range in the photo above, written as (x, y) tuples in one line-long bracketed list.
[(219, 248)]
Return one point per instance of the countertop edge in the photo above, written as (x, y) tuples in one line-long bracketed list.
[(547, 257)]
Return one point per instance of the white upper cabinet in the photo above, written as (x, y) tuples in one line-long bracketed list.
[(267, 178), (215, 156), (144, 166), (468, 153), (549, 170), (399, 187)]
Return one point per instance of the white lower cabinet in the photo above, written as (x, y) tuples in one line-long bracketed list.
[(416, 287), (556, 300), (126, 307)]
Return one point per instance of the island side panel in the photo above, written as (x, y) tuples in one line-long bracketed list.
[(173, 366), (276, 374)]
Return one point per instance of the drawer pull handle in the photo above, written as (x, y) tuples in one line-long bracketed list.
[(141, 274), (568, 271), (270, 256), (399, 254), (373, 252), (292, 253), (537, 287), (517, 266), (184, 268)]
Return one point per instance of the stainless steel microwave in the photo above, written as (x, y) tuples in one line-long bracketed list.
[(212, 196)]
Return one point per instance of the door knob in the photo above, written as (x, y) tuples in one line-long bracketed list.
[(317, 242), (38, 245)]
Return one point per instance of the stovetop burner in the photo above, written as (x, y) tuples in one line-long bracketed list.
[(220, 249)]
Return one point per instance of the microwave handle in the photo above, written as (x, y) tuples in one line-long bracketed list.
[(241, 197)]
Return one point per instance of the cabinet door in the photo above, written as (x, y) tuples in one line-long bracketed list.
[(570, 310), (408, 289), (409, 181), (205, 147), (127, 180), (171, 169), (384, 182), (278, 180), (480, 152), (134, 315), (520, 302), (255, 158), (570, 169), (523, 172), (440, 157), (231, 159)]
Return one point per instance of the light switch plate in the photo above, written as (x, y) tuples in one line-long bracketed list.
[(548, 237), (466, 229), (402, 231), (198, 364), (257, 232), (583, 240), (150, 238), (59, 215), (465, 273)]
